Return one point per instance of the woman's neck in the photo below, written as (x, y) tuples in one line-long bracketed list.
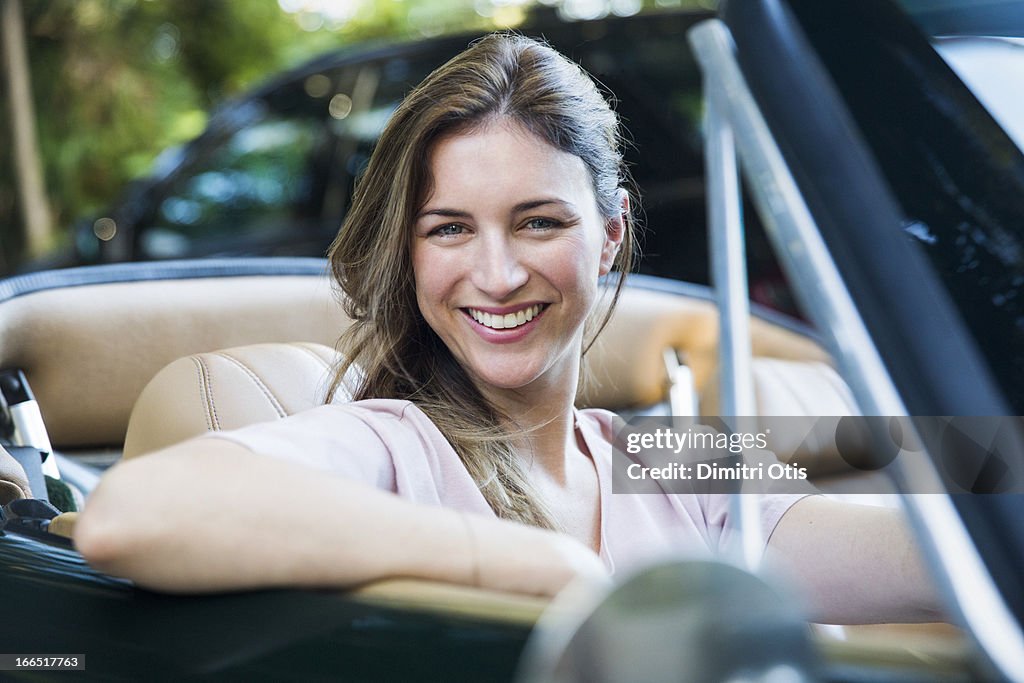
[(546, 422)]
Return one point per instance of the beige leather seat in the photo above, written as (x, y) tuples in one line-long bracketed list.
[(798, 404), (89, 349)]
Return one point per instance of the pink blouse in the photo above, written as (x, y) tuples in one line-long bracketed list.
[(393, 445)]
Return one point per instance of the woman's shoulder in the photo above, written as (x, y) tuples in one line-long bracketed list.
[(598, 419), (363, 426), (388, 443), (367, 410), (418, 462), (374, 408)]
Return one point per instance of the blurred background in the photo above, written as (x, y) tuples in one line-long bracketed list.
[(97, 93)]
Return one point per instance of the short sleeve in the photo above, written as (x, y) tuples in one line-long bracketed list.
[(337, 439), (388, 444)]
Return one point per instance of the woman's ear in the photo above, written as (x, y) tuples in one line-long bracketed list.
[(614, 232)]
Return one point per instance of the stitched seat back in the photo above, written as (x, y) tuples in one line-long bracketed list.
[(228, 389)]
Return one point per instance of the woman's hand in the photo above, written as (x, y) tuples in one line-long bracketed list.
[(576, 563), (522, 559)]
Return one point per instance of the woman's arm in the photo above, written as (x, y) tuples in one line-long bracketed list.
[(857, 564), (210, 515)]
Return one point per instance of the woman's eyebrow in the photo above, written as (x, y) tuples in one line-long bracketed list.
[(533, 204), (518, 208), (446, 213)]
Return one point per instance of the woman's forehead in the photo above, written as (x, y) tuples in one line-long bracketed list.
[(502, 156)]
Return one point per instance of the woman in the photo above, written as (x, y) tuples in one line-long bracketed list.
[(470, 261)]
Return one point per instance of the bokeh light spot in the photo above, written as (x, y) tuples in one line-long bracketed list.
[(105, 229), (340, 106)]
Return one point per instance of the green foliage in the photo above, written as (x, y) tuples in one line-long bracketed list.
[(116, 81)]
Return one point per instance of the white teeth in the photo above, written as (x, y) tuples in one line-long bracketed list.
[(509, 320)]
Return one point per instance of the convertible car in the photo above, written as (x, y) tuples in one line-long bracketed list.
[(891, 187)]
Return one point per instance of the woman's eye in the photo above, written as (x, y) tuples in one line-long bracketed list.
[(449, 230), (541, 224)]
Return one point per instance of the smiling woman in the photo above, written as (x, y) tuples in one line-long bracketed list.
[(471, 262), (529, 243), (512, 200)]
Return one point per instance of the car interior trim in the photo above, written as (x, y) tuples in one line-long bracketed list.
[(30, 283)]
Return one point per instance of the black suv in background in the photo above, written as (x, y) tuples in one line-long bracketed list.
[(273, 172)]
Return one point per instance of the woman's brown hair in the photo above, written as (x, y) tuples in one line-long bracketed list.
[(502, 76)]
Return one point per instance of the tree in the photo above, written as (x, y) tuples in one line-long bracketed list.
[(37, 229), (114, 83)]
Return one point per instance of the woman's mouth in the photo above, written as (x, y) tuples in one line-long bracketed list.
[(506, 321)]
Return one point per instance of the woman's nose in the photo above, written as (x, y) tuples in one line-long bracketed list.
[(498, 271)]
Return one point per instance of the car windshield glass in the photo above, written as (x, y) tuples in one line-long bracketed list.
[(950, 151)]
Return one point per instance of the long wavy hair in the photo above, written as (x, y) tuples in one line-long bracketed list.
[(502, 76)]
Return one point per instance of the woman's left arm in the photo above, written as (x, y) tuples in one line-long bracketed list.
[(858, 564)]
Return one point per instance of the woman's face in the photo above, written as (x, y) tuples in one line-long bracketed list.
[(506, 254)]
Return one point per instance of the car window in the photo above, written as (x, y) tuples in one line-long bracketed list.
[(380, 87), (276, 177), (255, 178)]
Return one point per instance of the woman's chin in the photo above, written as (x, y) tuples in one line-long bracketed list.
[(506, 382), (512, 377), (541, 369)]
